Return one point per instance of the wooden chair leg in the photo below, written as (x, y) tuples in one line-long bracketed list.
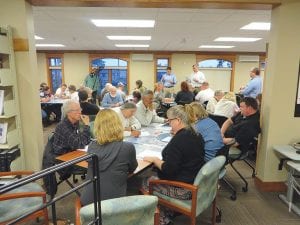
[(156, 216), (193, 220), (213, 219)]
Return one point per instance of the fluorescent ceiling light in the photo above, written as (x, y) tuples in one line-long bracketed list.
[(131, 45), (216, 46), (123, 23), (130, 38), (49, 45), (38, 37), (257, 26), (237, 39)]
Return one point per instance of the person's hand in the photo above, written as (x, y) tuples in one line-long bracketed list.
[(135, 133), (150, 159), (85, 119)]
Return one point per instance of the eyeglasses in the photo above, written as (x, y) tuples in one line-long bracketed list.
[(169, 120)]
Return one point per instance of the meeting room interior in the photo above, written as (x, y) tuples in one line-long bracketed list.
[(58, 54)]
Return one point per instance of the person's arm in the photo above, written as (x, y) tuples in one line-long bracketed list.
[(133, 164), (134, 123), (156, 161), (174, 79), (156, 118), (225, 126), (248, 89), (198, 96), (105, 102)]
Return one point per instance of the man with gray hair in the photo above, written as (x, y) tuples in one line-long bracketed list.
[(66, 138), (145, 111), (126, 113), (210, 107)]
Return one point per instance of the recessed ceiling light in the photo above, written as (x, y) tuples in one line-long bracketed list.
[(257, 26), (38, 37), (131, 46), (123, 23), (216, 46), (237, 39), (130, 38), (49, 45)]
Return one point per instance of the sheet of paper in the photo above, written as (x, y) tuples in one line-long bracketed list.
[(149, 153), (166, 139), (144, 134)]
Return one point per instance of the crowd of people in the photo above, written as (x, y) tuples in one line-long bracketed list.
[(196, 138)]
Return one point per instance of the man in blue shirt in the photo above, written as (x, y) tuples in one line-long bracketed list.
[(254, 86), (112, 99), (169, 81)]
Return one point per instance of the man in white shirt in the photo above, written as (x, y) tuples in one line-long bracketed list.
[(130, 123), (210, 107), (197, 78), (205, 93), (62, 92), (145, 111)]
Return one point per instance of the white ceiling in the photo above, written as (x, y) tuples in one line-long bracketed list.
[(175, 29)]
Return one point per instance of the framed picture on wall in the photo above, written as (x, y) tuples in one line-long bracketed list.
[(297, 105)]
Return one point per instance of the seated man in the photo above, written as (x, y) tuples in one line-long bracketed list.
[(66, 138), (112, 99), (145, 112), (130, 123), (243, 127), (62, 92), (87, 107)]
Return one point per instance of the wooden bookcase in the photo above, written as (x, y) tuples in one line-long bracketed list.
[(8, 83)]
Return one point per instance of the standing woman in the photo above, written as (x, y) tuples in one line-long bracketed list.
[(181, 160), (116, 158)]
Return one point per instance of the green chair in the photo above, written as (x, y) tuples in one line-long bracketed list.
[(204, 191), (22, 200), (129, 210)]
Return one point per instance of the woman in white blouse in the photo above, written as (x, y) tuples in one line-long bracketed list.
[(227, 106)]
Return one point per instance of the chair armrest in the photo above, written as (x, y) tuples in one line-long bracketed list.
[(23, 195), (16, 173), (77, 211), (172, 183)]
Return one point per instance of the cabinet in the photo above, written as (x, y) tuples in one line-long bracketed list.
[(10, 113)]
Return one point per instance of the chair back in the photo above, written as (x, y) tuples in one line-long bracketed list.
[(218, 119), (207, 180), (129, 210)]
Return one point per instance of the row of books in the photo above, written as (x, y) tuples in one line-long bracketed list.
[(7, 156)]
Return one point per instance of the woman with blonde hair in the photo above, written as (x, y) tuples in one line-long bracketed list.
[(227, 106), (116, 158), (181, 160), (209, 130)]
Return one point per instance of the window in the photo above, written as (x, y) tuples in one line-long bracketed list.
[(161, 67), (112, 70), (215, 63), (55, 72)]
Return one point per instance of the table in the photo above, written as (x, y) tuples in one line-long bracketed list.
[(290, 154), (152, 141)]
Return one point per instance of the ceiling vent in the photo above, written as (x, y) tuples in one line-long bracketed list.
[(142, 57), (248, 58)]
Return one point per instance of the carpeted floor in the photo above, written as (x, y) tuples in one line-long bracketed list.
[(250, 208)]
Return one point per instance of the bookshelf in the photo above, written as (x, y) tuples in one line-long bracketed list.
[(11, 112)]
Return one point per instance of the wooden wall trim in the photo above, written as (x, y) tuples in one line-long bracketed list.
[(269, 186), (21, 45), (201, 4)]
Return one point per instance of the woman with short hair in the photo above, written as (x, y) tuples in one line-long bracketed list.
[(182, 158), (117, 158)]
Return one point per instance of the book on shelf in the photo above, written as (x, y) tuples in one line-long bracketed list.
[(1, 101), (3, 133)]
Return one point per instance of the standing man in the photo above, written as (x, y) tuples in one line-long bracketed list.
[(253, 88), (197, 78), (92, 81), (169, 81)]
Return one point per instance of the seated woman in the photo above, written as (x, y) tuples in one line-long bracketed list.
[(227, 106), (209, 130), (185, 96), (139, 86), (116, 158), (182, 158)]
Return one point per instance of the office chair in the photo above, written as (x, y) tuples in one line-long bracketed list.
[(204, 191), (22, 200), (129, 210), (218, 119)]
